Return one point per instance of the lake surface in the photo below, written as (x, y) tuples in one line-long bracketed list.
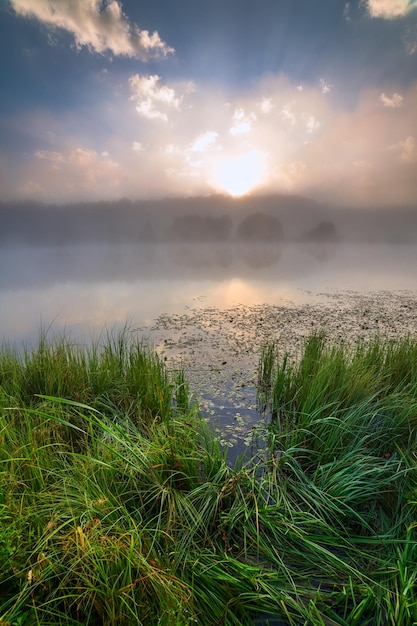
[(85, 287), (209, 307)]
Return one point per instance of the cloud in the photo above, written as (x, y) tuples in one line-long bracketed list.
[(360, 156), (346, 12), (266, 105), (137, 147), (312, 124), (410, 41), (71, 174), (98, 25), (325, 87), (49, 155), (409, 150), (389, 9), (288, 115), (242, 122), (204, 141), (150, 98), (393, 102), (363, 154), (290, 174)]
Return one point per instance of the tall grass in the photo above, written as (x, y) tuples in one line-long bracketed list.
[(117, 505), (342, 439)]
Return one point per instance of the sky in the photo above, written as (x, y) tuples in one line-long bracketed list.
[(103, 99)]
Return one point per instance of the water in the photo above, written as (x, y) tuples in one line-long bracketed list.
[(209, 307), (87, 286)]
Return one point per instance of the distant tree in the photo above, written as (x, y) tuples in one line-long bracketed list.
[(259, 227), (200, 228), (325, 231)]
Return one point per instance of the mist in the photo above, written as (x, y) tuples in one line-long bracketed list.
[(213, 218)]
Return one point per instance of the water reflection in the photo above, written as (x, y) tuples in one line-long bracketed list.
[(106, 263), (87, 286), (193, 294)]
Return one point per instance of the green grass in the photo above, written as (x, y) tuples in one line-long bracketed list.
[(117, 505)]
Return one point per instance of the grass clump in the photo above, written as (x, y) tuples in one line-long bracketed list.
[(341, 448), (117, 505)]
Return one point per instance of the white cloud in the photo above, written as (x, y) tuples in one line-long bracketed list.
[(266, 105), (389, 9), (49, 155), (57, 175), (410, 41), (393, 102), (98, 25), (204, 141), (346, 12), (363, 154), (150, 97), (325, 87), (242, 123), (137, 147), (409, 150), (288, 115), (82, 157), (148, 109), (289, 174), (312, 124)]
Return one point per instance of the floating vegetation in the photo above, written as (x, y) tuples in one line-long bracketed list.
[(219, 349)]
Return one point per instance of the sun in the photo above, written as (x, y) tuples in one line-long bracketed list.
[(238, 175)]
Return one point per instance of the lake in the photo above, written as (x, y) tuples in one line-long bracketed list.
[(209, 307), (84, 287)]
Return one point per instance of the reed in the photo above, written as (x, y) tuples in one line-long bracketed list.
[(117, 505)]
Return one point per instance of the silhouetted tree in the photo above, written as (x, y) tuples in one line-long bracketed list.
[(325, 231), (259, 227), (200, 228)]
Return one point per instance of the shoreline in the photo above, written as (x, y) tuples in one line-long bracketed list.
[(219, 349)]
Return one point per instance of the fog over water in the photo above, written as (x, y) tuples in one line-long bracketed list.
[(84, 287), (207, 282), (83, 266)]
